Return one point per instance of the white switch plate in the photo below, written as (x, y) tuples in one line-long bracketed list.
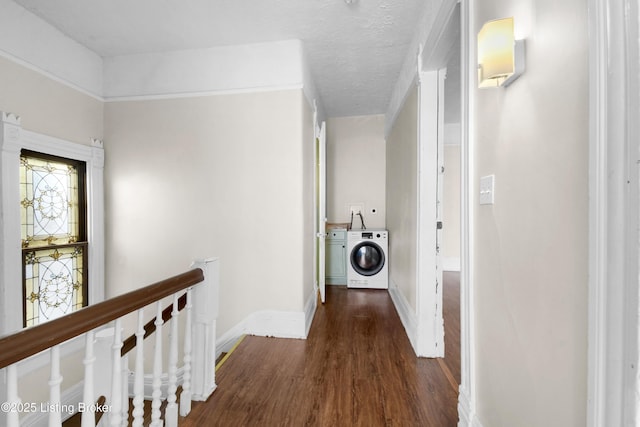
[(487, 187)]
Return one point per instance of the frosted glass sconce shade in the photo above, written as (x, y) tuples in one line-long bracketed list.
[(500, 55)]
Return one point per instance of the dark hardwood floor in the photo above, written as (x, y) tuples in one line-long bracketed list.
[(357, 368), (451, 314)]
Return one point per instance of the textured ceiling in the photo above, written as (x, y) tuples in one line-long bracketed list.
[(355, 51)]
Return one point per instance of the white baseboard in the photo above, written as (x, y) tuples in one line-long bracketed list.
[(227, 340), (407, 315), (466, 416), (69, 398), (270, 323), (280, 324), (310, 311), (411, 325), (450, 264)]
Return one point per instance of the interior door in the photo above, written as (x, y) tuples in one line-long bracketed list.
[(321, 204)]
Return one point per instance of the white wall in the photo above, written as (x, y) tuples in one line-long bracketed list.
[(530, 276), (356, 169), (402, 200), (49, 107), (210, 176)]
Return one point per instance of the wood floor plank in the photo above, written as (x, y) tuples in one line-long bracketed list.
[(357, 368), (451, 314)]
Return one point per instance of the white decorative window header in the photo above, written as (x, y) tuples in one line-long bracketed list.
[(13, 139)]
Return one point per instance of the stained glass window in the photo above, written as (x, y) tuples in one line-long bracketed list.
[(53, 236)]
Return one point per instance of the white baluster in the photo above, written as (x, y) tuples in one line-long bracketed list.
[(125, 391), (171, 411), (157, 371), (88, 398), (138, 380), (13, 416), (115, 414), (185, 396), (55, 416)]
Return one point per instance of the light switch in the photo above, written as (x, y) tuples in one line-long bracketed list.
[(487, 185)]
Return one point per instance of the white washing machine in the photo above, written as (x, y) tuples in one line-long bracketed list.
[(368, 260)]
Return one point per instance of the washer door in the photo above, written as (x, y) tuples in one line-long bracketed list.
[(367, 258)]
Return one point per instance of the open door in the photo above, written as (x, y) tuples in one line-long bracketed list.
[(321, 208)]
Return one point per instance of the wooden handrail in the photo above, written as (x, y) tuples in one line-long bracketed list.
[(130, 343), (30, 341)]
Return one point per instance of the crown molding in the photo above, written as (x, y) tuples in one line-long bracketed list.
[(33, 43), (29, 41)]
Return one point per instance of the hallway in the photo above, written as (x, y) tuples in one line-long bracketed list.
[(356, 368)]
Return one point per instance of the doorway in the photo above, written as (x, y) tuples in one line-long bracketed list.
[(439, 159)]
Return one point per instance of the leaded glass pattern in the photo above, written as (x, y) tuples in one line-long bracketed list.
[(53, 283), (49, 202), (53, 237)]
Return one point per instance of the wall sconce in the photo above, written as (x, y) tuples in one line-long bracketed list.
[(500, 55)]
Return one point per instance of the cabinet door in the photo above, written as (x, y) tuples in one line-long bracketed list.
[(336, 261)]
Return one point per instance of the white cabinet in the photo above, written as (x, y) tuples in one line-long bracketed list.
[(336, 257)]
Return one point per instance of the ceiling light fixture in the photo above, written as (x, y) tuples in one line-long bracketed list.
[(500, 55)]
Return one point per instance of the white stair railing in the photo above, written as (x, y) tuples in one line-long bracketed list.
[(88, 416), (104, 350), (115, 401), (138, 380), (185, 398), (157, 372), (55, 416), (171, 411)]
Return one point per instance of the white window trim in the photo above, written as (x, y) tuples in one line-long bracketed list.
[(13, 139)]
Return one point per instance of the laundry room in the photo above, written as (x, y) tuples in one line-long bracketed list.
[(360, 193), (356, 202)]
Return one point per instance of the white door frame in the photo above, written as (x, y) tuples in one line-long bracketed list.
[(466, 397), (321, 164), (614, 194), (467, 390), (467, 393), (430, 333), (319, 202)]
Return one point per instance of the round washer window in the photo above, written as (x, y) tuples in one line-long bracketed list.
[(367, 258)]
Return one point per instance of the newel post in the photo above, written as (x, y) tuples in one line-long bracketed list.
[(205, 313)]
